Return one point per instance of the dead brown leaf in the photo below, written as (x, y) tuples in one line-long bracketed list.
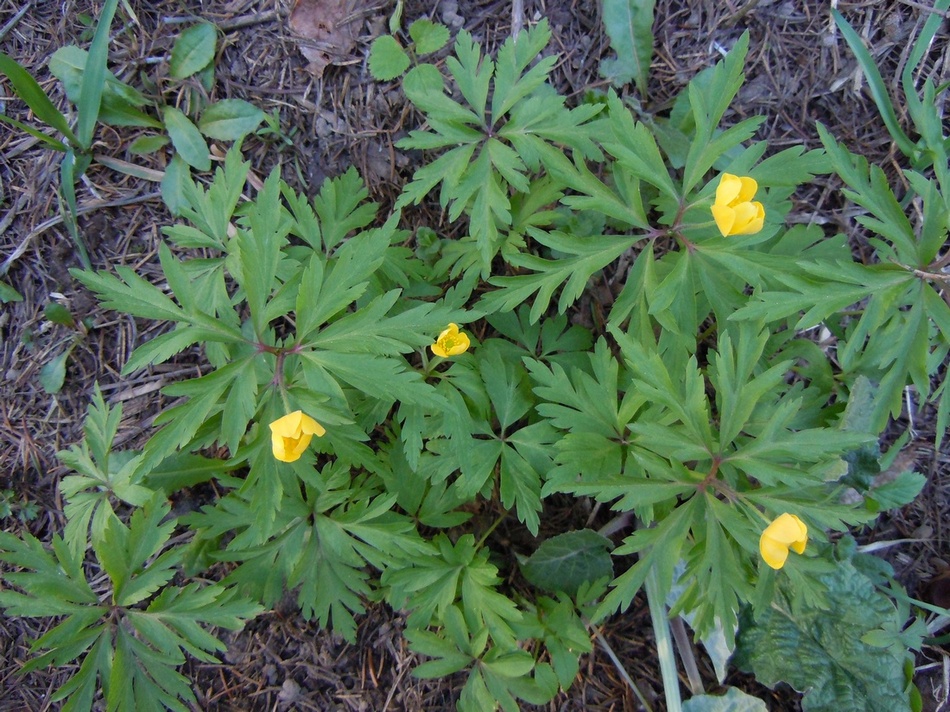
[(328, 29)]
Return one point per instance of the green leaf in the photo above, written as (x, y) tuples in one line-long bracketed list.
[(629, 25), (428, 36), (53, 373), (735, 700), (173, 185), (58, 314), (260, 253), (512, 83), (340, 205), (193, 51), (896, 493), (581, 259), (27, 88), (145, 145), (120, 105), (229, 119), (520, 487), (9, 294), (387, 59), (821, 652), (187, 139), (183, 470), (566, 562)]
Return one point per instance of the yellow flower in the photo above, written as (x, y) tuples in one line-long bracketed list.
[(291, 435), (785, 532), (451, 342), (733, 211)]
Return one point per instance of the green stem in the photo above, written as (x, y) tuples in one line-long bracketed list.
[(492, 528), (664, 643)]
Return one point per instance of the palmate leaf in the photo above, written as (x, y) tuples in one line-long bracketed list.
[(123, 552), (259, 250), (133, 671), (582, 259), (324, 541), (206, 398), (869, 189), (586, 401), (497, 674), (541, 128), (210, 209), (559, 625), (512, 83), (52, 584), (338, 209), (431, 583), (488, 154), (710, 94)]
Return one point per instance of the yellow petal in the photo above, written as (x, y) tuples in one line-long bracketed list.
[(451, 342), (773, 553), (755, 223), (788, 529), (785, 532), (292, 433), (310, 426), (725, 217), (747, 189), (288, 424), (728, 189), (745, 214), (459, 344)]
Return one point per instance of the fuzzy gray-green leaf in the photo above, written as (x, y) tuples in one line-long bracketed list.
[(567, 561)]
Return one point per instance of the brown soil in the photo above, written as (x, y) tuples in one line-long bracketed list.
[(799, 71)]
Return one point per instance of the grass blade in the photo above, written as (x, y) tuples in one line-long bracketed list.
[(922, 44), (875, 84), (51, 142), (90, 97), (67, 186), (32, 93)]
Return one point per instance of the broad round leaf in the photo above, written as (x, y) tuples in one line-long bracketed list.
[(53, 373), (193, 50), (230, 119), (147, 144), (387, 60), (565, 562), (428, 36), (187, 139)]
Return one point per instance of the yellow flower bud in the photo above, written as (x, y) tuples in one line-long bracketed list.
[(733, 210), (451, 342), (785, 532), (291, 435)]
